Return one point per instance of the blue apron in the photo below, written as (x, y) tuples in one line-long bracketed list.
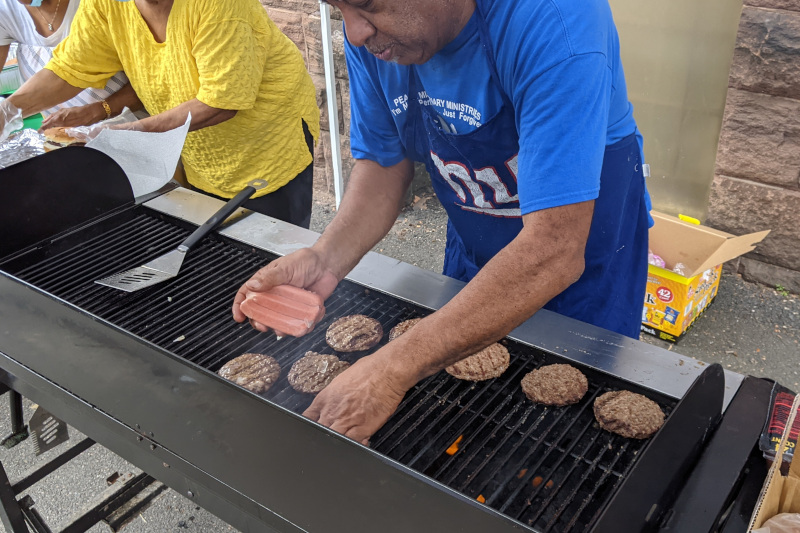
[(472, 176)]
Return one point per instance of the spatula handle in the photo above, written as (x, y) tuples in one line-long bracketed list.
[(225, 211)]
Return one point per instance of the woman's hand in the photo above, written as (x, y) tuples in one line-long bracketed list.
[(75, 116)]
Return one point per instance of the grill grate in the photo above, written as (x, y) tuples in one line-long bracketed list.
[(551, 468)]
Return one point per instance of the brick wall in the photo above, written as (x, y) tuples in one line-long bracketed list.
[(300, 20), (757, 179)]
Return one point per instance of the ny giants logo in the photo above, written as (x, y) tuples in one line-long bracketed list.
[(467, 187)]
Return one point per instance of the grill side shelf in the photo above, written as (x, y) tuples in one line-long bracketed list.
[(653, 483)]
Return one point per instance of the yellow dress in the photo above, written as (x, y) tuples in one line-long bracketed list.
[(226, 53)]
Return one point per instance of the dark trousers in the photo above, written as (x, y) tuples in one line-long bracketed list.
[(292, 202)]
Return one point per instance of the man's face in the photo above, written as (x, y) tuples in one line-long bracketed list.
[(403, 31)]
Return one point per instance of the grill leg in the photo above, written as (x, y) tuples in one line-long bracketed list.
[(10, 511), (19, 431)]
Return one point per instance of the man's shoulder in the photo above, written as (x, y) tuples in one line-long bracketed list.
[(576, 25)]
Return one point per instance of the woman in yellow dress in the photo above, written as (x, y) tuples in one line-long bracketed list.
[(252, 102)]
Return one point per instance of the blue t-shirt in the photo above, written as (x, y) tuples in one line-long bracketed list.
[(559, 65)]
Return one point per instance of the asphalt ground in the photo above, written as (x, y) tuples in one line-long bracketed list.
[(749, 328)]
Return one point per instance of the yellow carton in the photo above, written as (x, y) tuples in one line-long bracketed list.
[(780, 493), (673, 302)]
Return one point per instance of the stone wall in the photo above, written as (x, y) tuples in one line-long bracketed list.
[(757, 180), (300, 20)]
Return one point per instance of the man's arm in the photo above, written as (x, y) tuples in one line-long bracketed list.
[(369, 208), (368, 211), (544, 259), (540, 263)]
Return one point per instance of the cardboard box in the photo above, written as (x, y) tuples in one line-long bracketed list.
[(780, 494), (673, 302)]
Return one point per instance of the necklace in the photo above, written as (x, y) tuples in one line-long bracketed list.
[(49, 24)]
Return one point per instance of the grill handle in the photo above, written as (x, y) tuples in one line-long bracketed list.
[(225, 211)]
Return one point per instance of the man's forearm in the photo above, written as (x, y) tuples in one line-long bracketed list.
[(203, 116), (545, 259), (42, 91), (368, 211)]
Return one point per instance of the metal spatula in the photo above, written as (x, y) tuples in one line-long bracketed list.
[(168, 265)]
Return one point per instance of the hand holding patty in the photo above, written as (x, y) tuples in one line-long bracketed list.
[(304, 269), (359, 400)]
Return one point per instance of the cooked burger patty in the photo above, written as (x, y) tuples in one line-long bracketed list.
[(315, 371), (555, 385), (489, 363), (628, 414), (402, 327), (354, 333), (253, 371)]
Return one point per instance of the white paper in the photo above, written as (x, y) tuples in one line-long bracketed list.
[(148, 159)]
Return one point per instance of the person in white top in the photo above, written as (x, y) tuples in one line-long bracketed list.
[(38, 26)]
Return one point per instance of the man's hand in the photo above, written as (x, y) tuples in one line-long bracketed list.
[(84, 115), (305, 269), (359, 400)]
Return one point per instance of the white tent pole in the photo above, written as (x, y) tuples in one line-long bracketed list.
[(330, 87)]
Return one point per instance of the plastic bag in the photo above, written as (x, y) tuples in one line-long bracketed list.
[(782, 523), (87, 133), (10, 118), (681, 269), (655, 260)]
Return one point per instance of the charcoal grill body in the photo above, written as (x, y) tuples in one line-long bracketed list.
[(257, 463)]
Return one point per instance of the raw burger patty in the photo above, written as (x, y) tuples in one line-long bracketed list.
[(555, 385), (628, 414), (402, 327), (253, 371), (354, 333), (315, 371), (489, 363)]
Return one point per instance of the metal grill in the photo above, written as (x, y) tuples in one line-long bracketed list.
[(553, 469)]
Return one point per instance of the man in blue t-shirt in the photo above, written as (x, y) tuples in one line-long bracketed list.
[(520, 112)]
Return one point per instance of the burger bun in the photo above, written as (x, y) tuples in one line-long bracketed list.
[(58, 138)]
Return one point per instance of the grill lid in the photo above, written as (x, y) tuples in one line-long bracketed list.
[(56, 192)]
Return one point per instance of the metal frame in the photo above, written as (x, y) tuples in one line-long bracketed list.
[(116, 505), (133, 380)]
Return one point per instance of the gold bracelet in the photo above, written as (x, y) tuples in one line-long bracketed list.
[(107, 108)]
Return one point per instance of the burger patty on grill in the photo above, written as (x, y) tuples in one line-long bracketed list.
[(489, 363), (354, 333), (402, 327), (253, 371), (555, 385), (628, 414), (314, 371)]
